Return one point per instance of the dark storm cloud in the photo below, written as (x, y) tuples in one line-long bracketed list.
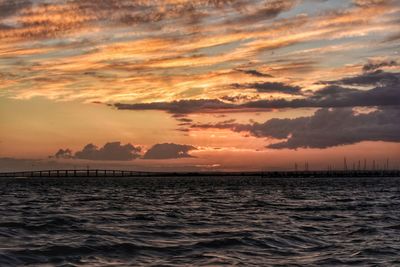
[(227, 124), (63, 154), (168, 151), (110, 151), (239, 98), (326, 128), (333, 92), (255, 73), (179, 107), (330, 96), (270, 87), (386, 93), (375, 78), (337, 97), (115, 151), (371, 66)]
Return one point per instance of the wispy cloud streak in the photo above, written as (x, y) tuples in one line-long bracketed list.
[(143, 51)]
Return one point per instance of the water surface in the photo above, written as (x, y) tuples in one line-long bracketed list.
[(242, 221)]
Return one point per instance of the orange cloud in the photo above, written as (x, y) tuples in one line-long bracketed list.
[(145, 51)]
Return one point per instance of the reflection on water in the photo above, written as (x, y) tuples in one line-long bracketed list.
[(199, 221)]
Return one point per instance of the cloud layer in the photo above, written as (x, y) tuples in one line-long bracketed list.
[(168, 151), (115, 151), (63, 154), (110, 151), (120, 51), (336, 94), (326, 128), (270, 87)]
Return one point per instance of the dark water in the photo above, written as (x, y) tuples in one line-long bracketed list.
[(200, 221)]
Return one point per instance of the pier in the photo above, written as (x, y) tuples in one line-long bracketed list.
[(264, 174)]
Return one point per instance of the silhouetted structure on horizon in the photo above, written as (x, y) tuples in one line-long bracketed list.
[(267, 174)]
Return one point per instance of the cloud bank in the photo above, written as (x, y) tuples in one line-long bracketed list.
[(63, 154), (375, 78), (181, 106), (326, 128), (169, 151), (110, 151), (115, 151), (270, 87), (332, 127), (374, 65), (336, 94)]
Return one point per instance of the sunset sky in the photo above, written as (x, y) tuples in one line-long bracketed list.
[(199, 85)]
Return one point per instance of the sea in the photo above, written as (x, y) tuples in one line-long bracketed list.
[(200, 221)]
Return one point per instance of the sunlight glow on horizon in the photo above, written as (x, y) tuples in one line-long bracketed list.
[(246, 77)]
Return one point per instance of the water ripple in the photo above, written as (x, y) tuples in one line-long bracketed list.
[(202, 221)]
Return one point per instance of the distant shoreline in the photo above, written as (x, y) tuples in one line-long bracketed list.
[(262, 174)]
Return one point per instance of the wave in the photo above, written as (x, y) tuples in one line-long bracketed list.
[(172, 222)]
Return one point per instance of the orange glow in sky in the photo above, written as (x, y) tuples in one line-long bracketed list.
[(198, 85)]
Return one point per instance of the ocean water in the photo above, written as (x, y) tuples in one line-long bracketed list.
[(200, 221)]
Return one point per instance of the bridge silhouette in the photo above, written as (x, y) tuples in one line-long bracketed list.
[(266, 174)]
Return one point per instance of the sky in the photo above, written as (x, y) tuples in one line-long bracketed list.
[(200, 85)]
